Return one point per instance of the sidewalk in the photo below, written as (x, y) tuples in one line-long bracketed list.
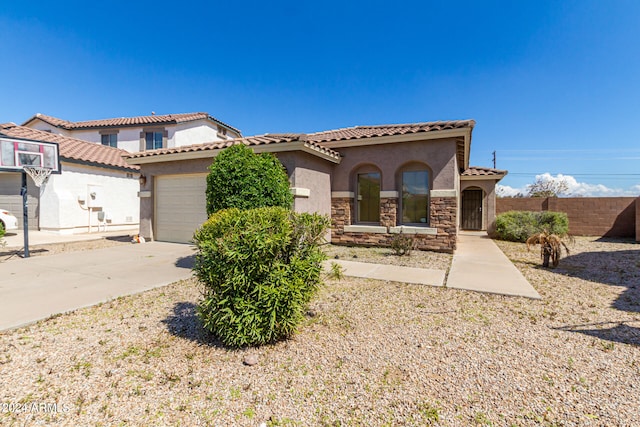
[(479, 265), (395, 273)]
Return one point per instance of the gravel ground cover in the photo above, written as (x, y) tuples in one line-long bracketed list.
[(369, 353)]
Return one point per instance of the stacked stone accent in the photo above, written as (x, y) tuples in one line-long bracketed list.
[(443, 218), (341, 208), (388, 211)]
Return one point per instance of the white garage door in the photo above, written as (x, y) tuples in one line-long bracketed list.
[(180, 206)]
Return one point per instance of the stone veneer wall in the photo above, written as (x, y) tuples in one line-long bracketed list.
[(443, 211)]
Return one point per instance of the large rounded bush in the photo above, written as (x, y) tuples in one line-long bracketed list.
[(239, 178), (517, 226), (260, 268)]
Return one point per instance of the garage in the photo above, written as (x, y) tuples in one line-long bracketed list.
[(11, 200), (180, 206)]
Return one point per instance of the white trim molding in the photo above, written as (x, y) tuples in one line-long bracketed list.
[(389, 194), (404, 229), (342, 194), (444, 193), (300, 192), (365, 229)]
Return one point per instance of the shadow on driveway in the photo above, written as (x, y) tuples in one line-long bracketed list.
[(186, 261)]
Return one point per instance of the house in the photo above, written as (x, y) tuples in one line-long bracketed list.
[(373, 181), (95, 186), (140, 133)]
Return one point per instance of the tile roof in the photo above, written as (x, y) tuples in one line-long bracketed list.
[(266, 139), (359, 132), (482, 171), (71, 148), (129, 121)]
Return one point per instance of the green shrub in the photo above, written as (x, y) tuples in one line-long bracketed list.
[(517, 226), (2, 231), (402, 244), (239, 178), (260, 268)]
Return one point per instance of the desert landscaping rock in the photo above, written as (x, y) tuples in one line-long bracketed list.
[(376, 353), (250, 359)]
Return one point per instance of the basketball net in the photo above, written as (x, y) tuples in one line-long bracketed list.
[(38, 174)]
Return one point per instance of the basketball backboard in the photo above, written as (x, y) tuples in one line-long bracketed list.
[(15, 154)]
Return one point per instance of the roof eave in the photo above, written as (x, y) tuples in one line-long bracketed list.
[(495, 177), (390, 139), (277, 147)]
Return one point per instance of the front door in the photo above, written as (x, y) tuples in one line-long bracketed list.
[(472, 210)]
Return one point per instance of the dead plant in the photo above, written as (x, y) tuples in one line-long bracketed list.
[(550, 247)]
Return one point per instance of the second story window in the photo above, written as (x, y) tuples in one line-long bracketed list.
[(153, 140), (110, 140)]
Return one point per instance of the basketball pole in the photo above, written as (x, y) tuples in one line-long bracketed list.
[(25, 213)]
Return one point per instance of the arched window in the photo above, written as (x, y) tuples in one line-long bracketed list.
[(414, 204), (368, 195)]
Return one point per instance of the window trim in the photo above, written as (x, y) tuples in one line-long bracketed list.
[(414, 167), (109, 134), (143, 138), (365, 171)]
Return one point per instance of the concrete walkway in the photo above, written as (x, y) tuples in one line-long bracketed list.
[(419, 276), (479, 265), (35, 288)]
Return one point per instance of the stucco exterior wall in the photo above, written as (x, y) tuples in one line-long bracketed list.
[(62, 212), (196, 132), (439, 156), (308, 172), (40, 125)]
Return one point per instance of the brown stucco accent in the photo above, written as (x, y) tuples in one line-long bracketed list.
[(438, 155)]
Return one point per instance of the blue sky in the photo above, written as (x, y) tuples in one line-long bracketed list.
[(553, 85)]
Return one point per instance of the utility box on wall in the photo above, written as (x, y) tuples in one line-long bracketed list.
[(95, 197)]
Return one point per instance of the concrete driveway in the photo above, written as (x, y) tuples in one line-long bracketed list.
[(35, 288)]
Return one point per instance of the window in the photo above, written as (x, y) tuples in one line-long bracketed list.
[(415, 197), (222, 131), (110, 140), (153, 140), (369, 197)]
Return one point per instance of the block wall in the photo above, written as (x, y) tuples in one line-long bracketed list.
[(588, 216)]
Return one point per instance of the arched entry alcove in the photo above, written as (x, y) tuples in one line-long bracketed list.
[(472, 208)]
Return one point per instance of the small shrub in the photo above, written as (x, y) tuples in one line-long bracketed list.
[(402, 244), (239, 178), (2, 232), (518, 226), (260, 268)]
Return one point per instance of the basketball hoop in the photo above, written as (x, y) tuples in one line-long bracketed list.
[(38, 174)]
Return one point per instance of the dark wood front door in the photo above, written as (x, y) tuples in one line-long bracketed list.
[(472, 210)]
